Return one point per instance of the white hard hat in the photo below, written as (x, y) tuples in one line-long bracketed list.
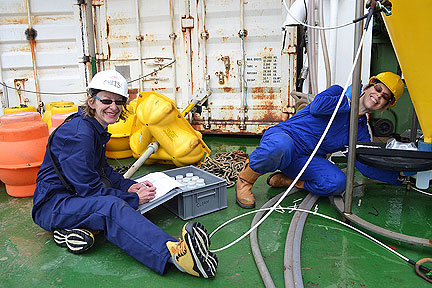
[(111, 81)]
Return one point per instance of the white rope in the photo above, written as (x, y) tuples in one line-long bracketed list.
[(421, 191), (290, 208)]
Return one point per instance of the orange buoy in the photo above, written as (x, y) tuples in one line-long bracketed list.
[(20, 117), (22, 149), (58, 119)]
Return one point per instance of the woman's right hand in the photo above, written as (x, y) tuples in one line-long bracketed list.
[(146, 192)]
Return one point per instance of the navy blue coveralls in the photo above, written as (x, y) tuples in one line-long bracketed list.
[(77, 148), (287, 146)]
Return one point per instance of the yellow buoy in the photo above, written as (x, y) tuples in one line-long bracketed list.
[(157, 119), (58, 107), (18, 109), (118, 146)]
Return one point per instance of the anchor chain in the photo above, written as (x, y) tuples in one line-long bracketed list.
[(226, 165)]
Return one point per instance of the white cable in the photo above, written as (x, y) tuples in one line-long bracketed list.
[(421, 191), (310, 157), (314, 27), (85, 92), (317, 214)]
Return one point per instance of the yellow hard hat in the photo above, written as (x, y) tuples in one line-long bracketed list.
[(393, 82)]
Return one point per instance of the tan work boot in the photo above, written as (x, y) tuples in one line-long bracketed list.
[(278, 179), (245, 181)]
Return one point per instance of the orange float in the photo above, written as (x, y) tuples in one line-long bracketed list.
[(22, 149), (20, 117), (58, 119)]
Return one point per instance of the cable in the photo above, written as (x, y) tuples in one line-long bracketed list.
[(47, 93), (313, 152), (291, 208), (154, 71), (421, 191), (315, 27), (84, 92)]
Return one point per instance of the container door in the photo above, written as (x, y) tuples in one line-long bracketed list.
[(41, 50)]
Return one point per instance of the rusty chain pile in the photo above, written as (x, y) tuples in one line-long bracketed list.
[(226, 165), (121, 169)]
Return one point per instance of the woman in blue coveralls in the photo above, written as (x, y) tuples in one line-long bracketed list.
[(287, 145), (78, 191)]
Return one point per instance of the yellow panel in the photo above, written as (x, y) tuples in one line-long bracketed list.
[(118, 146), (157, 119), (18, 109), (411, 35)]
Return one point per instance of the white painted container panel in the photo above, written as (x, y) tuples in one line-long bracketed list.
[(204, 39), (57, 51)]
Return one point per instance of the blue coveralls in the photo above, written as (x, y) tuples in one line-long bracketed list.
[(287, 146), (77, 148)]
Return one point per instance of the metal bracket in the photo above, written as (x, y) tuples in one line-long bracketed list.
[(187, 23), (220, 76), (200, 97)]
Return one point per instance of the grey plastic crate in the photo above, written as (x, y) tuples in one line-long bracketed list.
[(200, 200)]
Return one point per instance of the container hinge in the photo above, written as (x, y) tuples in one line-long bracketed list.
[(187, 22), (86, 59)]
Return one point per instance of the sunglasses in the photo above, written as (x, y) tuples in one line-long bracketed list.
[(109, 101), (378, 88)]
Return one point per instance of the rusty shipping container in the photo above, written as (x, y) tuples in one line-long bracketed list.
[(238, 53)]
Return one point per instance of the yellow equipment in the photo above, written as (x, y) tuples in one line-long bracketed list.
[(58, 107), (118, 146), (410, 31), (158, 120)]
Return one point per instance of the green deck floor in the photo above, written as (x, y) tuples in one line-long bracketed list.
[(331, 255)]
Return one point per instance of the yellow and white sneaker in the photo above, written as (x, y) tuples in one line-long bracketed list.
[(191, 254)]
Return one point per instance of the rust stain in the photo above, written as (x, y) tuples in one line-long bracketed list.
[(228, 107), (269, 90), (270, 116), (149, 37), (227, 64), (121, 37), (228, 89), (13, 20), (225, 38), (160, 89), (19, 48), (120, 18), (133, 93), (51, 19)]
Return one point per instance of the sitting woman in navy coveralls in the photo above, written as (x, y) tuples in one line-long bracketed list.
[(287, 145), (78, 191)]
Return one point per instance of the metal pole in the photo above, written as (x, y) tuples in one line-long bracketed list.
[(139, 39), (354, 112), (414, 127)]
